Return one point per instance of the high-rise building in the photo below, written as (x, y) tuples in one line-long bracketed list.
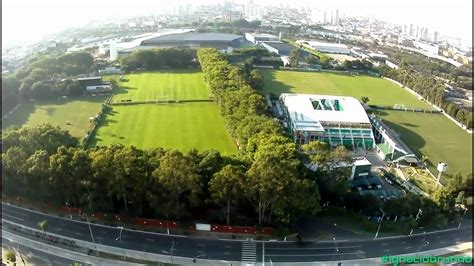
[(435, 36), (336, 17), (249, 9), (410, 33), (424, 34)]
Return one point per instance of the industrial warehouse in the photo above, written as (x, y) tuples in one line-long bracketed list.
[(337, 120)]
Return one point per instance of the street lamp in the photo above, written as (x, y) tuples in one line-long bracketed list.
[(69, 210), (465, 210), (90, 230), (425, 243), (335, 247), (120, 234), (380, 223), (416, 219), (171, 251)]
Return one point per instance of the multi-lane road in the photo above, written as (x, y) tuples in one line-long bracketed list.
[(232, 250)]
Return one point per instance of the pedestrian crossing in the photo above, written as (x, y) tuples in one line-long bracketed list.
[(249, 252)]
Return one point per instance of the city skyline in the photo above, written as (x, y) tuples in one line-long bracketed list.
[(52, 16)]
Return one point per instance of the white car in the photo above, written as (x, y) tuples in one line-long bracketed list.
[(388, 181)]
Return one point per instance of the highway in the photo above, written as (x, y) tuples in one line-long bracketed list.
[(232, 250)]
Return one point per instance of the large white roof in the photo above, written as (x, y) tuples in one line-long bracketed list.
[(301, 111)]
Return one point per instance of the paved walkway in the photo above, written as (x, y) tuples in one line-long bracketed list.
[(68, 254)]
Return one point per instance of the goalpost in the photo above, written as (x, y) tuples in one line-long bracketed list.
[(399, 106)]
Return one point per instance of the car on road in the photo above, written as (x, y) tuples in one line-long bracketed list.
[(388, 181)]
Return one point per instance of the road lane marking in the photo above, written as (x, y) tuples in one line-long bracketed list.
[(100, 238), (200, 245), (77, 233), (267, 248), (16, 212), (384, 244), (227, 246), (437, 237), (149, 239), (13, 217), (441, 242), (403, 242), (310, 255), (386, 250), (226, 253), (407, 248)]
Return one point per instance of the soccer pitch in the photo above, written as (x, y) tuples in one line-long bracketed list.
[(433, 135), (380, 91), (180, 126), (166, 85), (77, 112)]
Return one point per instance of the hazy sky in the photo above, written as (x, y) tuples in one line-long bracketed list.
[(26, 20)]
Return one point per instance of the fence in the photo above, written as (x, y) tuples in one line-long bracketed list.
[(404, 109), (434, 106), (130, 102)]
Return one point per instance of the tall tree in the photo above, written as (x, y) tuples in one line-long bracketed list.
[(178, 175), (227, 185)]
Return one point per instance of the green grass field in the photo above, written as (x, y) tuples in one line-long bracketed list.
[(169, 85), (435, 136), (180, 126), (379, 91), (77, 112)]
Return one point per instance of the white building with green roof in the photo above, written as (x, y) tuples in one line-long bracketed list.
[(337, 120)]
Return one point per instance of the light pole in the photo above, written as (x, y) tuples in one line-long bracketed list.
[(336, 250), (423, 244), (171, 251), (120, 234), (416, 219), (462, 218), (90, 230), (69, 210), (441, 168), (378, 228)]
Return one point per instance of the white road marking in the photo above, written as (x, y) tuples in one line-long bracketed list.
[(77, 233), (200, 245), (384, 244), (15, 212), (228, 246), (149, 239), (13, 217), (386, 250), (441, 242), (315, 248), (407, 248), (310, 255)]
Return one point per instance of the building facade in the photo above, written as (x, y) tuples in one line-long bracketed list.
[(336, 120)]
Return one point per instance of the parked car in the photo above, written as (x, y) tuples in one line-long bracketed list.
[(388, 181)]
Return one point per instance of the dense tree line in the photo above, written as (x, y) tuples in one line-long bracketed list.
[(46, 164), (154, 59), (430, 89), (46, 77), (462, 76), (10, 86)]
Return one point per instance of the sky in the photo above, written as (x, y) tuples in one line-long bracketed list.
[(30, 20)]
